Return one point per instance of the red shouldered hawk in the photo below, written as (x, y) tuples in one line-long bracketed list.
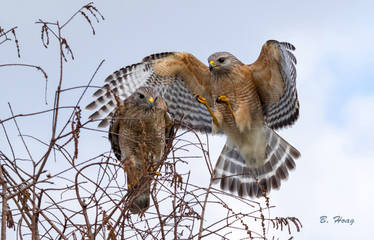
[(138, 134), (245, 102)]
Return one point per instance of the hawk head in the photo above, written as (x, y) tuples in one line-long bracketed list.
[(144, 98), (222, 62)]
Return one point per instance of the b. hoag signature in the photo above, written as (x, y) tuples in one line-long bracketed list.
[(337, 220)]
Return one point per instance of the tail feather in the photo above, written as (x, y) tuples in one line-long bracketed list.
[(142, 201), (140, 196), (236, 174)]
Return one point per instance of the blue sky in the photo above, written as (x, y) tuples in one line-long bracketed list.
[(358, 82), (335, 83)]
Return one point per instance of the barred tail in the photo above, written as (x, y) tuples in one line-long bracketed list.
[(235, 174)]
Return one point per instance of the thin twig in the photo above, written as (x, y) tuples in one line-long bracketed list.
[(4, 203), (31, 66)]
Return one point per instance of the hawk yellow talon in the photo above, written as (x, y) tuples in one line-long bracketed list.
[(203, 100), (128, 186), (158, 173), (224, 99)]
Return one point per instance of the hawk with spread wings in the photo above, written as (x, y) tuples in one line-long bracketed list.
[(139, 131), (245, 102)]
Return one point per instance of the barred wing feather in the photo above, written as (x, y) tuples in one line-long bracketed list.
[(275, 78), (177, 76)]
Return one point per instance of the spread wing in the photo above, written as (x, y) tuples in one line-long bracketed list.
[(274, 75), (177, 76)]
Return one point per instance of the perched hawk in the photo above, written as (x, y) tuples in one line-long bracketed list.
[(245, 102), (138, 133)]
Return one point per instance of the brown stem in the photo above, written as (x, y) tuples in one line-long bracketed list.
[(4, 204)]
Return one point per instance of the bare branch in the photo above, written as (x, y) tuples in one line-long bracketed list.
[(44, 179), (31, 66)]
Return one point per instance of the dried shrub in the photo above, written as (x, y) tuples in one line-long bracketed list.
[(87, 198)]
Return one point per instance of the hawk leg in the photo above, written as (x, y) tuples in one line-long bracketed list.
[(203, 100), (224, 99)]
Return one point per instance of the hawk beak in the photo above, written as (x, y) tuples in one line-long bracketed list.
[(150, 102), (211, 65)]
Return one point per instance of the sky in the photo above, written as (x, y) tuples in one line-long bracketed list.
[(334, 81)]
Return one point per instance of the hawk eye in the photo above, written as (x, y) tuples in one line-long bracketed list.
[(141, 96), (221, 60)]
